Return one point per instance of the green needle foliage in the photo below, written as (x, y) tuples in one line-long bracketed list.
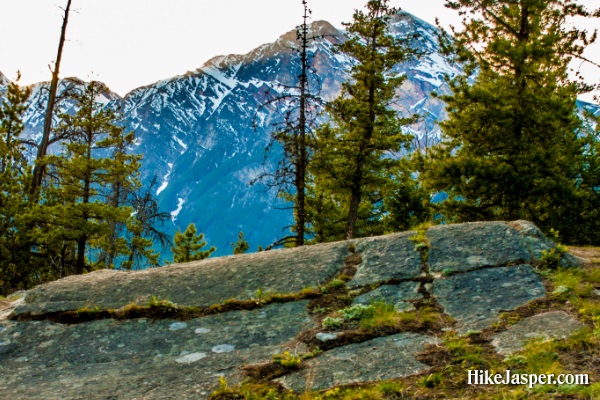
[(16, 271), (187, 246), (83, 205), (510, 148), (589, 184), (241, 246), (352, 165), (86, 215)]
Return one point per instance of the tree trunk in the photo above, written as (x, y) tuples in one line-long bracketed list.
[(302, 155), (358, 178), (39, 169), (80, 262), (353, 214)]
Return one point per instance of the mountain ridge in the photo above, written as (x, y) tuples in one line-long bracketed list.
[(203, 133)]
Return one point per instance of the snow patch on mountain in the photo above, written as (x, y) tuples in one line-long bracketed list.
[(175, 213), (3, 80), (165, 181)]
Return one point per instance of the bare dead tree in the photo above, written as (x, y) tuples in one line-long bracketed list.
[(301, 103), (39, 169)]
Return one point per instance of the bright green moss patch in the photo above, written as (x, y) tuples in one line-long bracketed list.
[(381, 317)]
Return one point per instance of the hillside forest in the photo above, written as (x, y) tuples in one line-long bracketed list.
[(514, 145)]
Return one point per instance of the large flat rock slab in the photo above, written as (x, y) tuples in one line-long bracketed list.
[(131, 359), (476, 298), (202, 283), (553, 324), (377, 359), (465, 247), (473, 245), (474, 271), (386, 258)]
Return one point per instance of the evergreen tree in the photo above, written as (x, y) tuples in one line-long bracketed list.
[(241, 246), (78, 202), (188, 246), (16, 270), (352, 163), (301, 103), (587, 220), (406, 204), (510, 148), (122, 180)]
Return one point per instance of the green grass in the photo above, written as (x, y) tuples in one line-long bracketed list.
[(287, 360), (382, 317)]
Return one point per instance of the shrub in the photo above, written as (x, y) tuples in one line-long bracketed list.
[(287, 360), (331, 322), (551, 258)]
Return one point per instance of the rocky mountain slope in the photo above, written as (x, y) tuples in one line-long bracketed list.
[(196, 131), (173, 332), (198, 136)]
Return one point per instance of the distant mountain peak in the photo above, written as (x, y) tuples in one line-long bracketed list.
[(3, 80), (203, 133)]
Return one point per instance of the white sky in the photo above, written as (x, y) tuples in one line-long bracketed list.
[(130, 43)]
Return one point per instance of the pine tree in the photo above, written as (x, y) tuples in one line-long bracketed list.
[(406, 204), (352, 162), (188, 246), (122, 177), (78, 205), (587, 220), (241, 246), (510, 149), (16, 270)]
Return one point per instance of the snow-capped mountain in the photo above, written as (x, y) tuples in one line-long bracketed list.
[(196, 131), (38, 101)]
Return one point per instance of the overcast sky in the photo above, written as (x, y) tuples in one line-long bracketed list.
[(130, 43)]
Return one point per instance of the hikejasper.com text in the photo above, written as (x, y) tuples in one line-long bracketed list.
[(482, 377)]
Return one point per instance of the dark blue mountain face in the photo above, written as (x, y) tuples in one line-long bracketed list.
[(197, 134), (196, 131)]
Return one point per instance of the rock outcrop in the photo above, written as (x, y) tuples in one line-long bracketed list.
[(170, 333)]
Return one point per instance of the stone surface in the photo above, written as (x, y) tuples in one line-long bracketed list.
[(327, 336), (385, 258), (200, 283), (476, 298), (172, 359), (553, 324), (138, 359), (465, 247), (535, 243), (381, 358), (394, 294), (473, 245)]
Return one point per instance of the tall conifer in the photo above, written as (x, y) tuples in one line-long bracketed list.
[(16, 272), (301, 101), (510, 148), (80, 200), (352, 164)]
